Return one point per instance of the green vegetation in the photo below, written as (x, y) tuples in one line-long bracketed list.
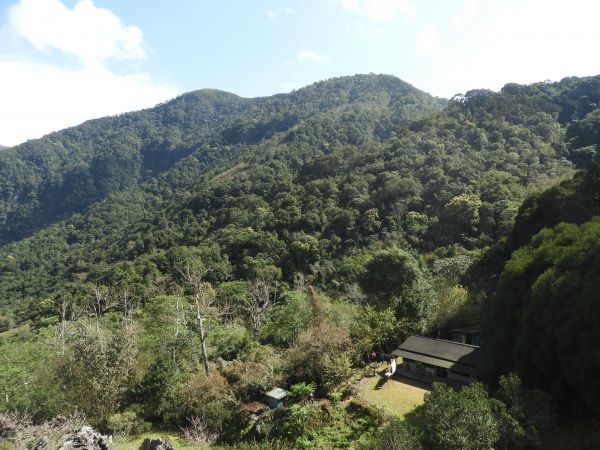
[(165, 268)]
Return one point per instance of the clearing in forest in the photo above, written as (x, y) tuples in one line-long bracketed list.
[(398, 396)]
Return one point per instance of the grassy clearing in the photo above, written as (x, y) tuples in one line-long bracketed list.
[(398, 396), (19, 329)]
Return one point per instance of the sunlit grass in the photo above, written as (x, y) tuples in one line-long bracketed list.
[(396, 396)]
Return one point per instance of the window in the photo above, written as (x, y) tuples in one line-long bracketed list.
[(441, 372)]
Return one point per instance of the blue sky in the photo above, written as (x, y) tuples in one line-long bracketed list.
[(66, 61)]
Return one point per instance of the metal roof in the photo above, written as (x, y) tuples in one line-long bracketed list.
[(441, 353), (470, 330), (277, 393)]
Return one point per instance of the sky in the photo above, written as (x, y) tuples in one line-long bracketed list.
[(66, 61)]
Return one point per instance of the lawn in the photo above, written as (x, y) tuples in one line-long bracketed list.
[(397, 396)]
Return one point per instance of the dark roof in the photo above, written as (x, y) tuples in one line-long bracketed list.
[(467, 330), (437, 352)]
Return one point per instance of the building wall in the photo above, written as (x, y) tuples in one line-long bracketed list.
[(428, 373)]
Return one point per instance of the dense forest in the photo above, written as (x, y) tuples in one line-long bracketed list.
[(165, 268)]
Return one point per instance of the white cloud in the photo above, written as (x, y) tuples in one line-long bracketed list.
[(428, 40), (40, 96), (87, 32), (521, 41), (381, 10), (274, 13), (468, 12), (307, 55)]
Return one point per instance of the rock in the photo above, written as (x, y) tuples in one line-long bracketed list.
[(85, 438), (156, 444)]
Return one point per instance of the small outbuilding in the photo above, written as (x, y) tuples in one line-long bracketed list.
[(276, 397), (427, 359), (467, 335)]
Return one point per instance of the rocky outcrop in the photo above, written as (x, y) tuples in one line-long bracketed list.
[(88, 439), (156, 444)]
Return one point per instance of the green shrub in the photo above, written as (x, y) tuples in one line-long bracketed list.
[(127, 423)]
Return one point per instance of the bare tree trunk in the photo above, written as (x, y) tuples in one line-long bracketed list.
[(203, 352), (177, 316)]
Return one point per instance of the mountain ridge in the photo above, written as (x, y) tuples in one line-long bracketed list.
[(147, 142)]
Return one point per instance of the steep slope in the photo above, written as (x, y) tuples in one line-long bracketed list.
[(48, 179), (543, 319)]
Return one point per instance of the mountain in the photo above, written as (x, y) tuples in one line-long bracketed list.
[(288, 184), (306, 231), (51, 178)]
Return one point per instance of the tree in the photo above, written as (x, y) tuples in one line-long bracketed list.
[(261, 298), (462, 212), (206, 309), (208, 397), (540, 321), (530, 411), (450, 300), (463, 420), (396, 278), (317, 349), (102, 300), (393, 436), (287, 319), (95, 368), (375, 328)]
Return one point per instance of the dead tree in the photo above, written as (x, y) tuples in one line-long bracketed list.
[(102, 300), (205, 309), (124, 300), (66, 311), (262, 297), (317, 307)]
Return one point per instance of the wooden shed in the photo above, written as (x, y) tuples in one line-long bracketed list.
[(275, 398), (429, 360)]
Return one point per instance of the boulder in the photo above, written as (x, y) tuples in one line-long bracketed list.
[(156, 444), (85, 438)]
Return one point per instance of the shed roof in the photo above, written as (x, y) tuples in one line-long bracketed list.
[(467, 330), (441, 353), (277, 393)]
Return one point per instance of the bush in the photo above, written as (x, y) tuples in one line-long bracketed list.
[(198, 433), (154, 388), (313, 357), (302, 391), (463, 420), (230, 342), (249, 379), (127, 423), (394, 436), (208, 397)]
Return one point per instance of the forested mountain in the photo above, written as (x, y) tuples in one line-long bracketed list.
[(326, 187), (406, 213), (48, 179)]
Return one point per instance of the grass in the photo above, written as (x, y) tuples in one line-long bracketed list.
[(398, 396), (133, 443), (22, 328)]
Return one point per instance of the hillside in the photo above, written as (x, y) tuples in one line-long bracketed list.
[(328, 186), (213, 247), (51, 178)]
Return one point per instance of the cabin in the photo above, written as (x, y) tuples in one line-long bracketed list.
[(427, 359), (467, 335), (275, 398)]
